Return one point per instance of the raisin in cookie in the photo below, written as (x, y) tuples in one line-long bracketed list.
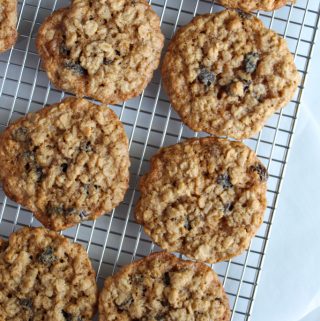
[(250, 5), (67, 163), (3, 245), (8, 21), (45, 277), (163, 287), (226, 74), (107, 50), (204, 198)]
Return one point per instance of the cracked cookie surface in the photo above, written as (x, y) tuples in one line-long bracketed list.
[(251, 5), (66, 163), (226, 74), (8, 21), (162, 287), (204, 198), (45, 277), (104, 49)]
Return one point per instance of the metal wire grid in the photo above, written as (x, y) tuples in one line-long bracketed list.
[(115, 239)]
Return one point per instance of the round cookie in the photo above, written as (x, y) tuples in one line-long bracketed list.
[(162, 287), (66, 163), (226, 74), (8, 21), (107, 50), (204, 198), (251, 5), (45, 277)]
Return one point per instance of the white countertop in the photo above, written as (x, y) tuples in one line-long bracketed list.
[(289, 287)]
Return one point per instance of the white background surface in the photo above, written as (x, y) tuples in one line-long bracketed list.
[(289, 287)]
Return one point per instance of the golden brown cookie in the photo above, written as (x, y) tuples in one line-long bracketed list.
[(204, 198), (251, 5), (45, 277), (226, 74), (8, 21), (66, 163), (107, 50), (162, 287)]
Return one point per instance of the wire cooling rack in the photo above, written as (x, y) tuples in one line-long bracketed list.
[(115, 239)]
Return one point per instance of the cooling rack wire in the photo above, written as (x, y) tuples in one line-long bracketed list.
[(115, 239)]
